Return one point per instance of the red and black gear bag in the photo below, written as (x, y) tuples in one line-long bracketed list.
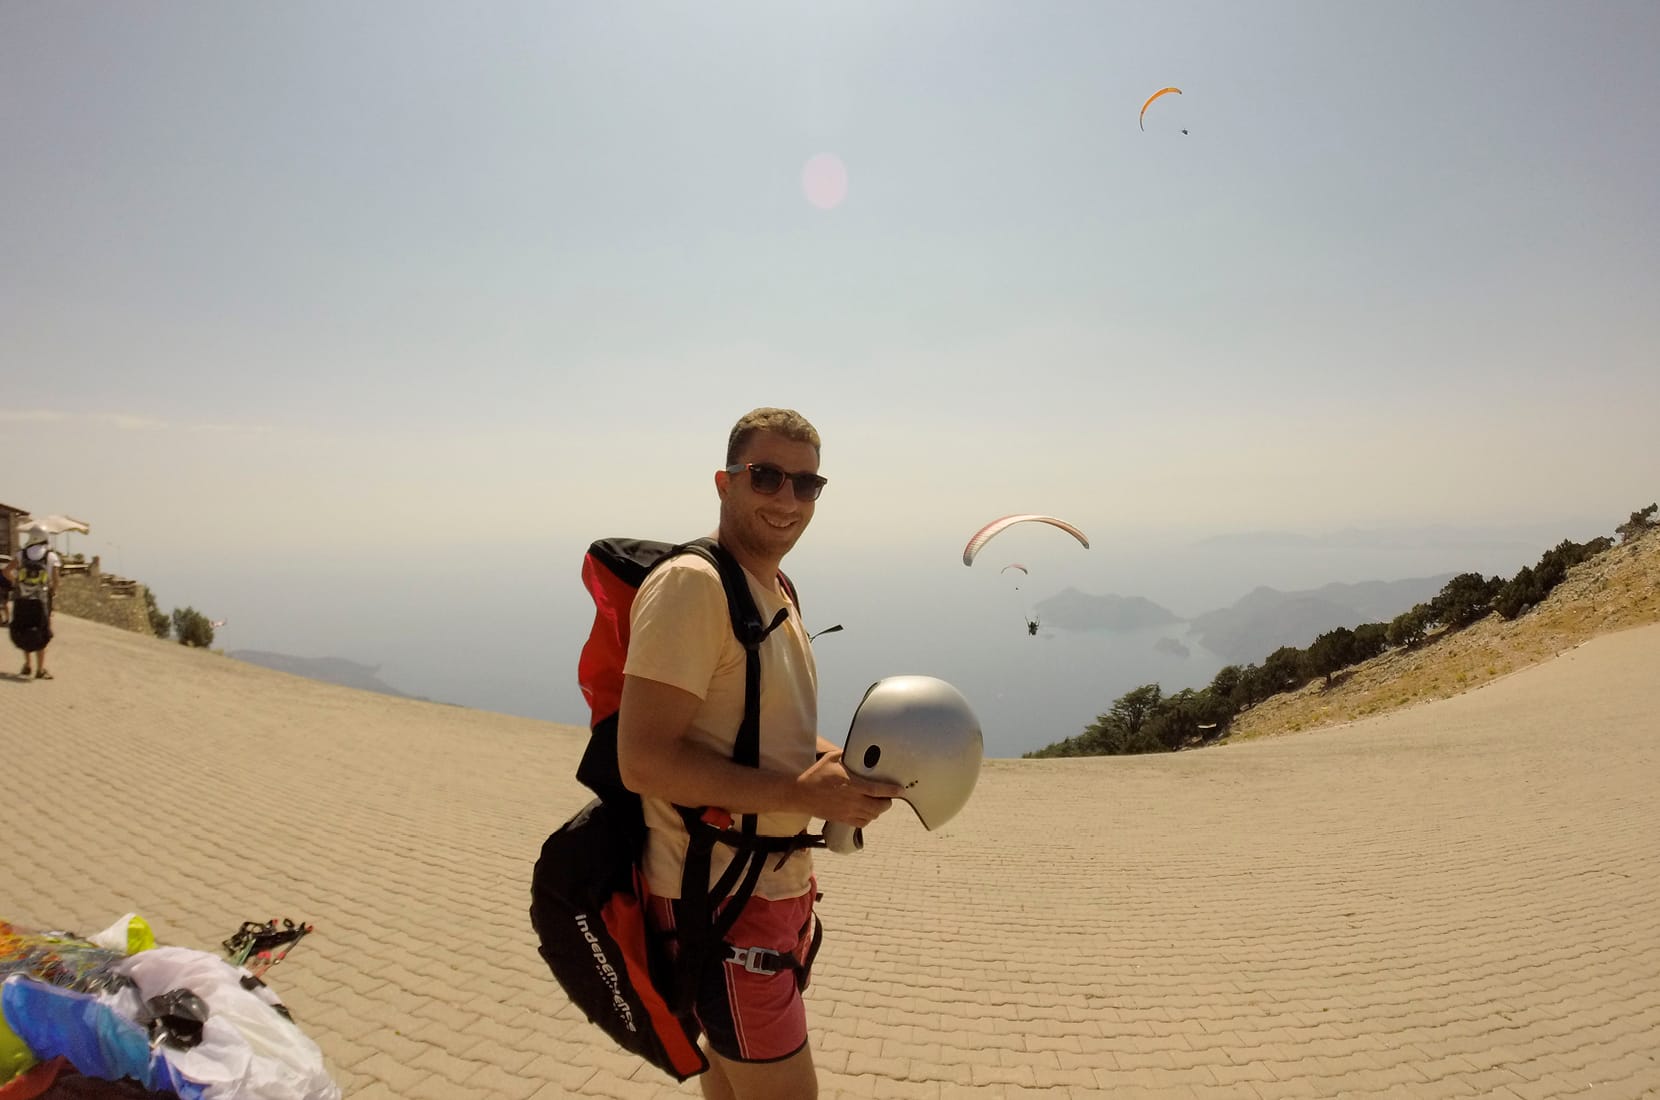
[(587, 892), (587, 906)]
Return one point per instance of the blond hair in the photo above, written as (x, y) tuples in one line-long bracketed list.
[(785, 422)]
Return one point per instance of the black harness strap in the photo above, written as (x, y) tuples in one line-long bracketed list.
[(700, 928)]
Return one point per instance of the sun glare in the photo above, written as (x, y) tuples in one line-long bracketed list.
[(824, 181)]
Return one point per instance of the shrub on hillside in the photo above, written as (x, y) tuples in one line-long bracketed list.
[(1329, 652), (1371, 639), (1188, 717), (1282, 671), (192, 627), (1408, 628), (1531, 584), (1465, 599), (160, 624), (1519, 593), (1640, 522), (1123, 729)]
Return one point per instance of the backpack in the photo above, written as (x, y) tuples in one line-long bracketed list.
[(588, 895), (34, 578)]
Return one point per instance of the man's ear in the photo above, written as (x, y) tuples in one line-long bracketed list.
[(722, 481)]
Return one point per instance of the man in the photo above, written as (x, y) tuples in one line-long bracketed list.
[(34, 579), (682, 701), (5, 589)]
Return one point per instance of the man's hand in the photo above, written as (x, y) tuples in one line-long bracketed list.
[(829, 792)]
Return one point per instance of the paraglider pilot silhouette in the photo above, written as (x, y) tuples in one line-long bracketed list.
[(996, 526)]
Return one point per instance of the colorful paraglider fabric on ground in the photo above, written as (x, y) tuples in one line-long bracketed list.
[(129, 935), (1142, 121), (111, 1015), (59, 958), (997, 526), (15, 1055)]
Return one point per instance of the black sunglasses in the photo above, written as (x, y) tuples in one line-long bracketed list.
[(767, 480)]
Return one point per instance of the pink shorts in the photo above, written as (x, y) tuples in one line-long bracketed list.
[(751, 1016)]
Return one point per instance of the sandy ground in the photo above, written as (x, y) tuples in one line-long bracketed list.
[(1462, 899)]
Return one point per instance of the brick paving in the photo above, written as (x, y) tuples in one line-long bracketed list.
[(1459, 900)]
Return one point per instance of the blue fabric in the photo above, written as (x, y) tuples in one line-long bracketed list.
[(97, 1040)]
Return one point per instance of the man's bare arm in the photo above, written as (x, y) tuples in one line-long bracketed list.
[(656, 757)]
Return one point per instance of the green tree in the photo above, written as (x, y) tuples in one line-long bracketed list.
[(1638, 523), (1554, 564), (1329, 652), (1137, 705), (1226, 681), (1408, 628), (1371, 639), (1533, 583), (1282, 671), (1189, 716), (1465, 599), (1248, 692), (1106, 737), (1519, 593), (192, 627), (160, 625), (1122, 730)]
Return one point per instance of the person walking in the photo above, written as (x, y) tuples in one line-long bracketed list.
[(34, 580), (682, 702)]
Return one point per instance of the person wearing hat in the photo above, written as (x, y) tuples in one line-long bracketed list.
[(34, 580)]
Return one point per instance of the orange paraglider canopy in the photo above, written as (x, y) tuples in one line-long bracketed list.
[(1142, 122)]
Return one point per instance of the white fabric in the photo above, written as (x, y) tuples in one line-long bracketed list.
[(57, 525), (248, 1050)]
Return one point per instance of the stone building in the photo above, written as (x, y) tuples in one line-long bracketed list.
[(9, 517)]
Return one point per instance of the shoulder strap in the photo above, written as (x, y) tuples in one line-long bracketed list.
[(701, 927), (750, 632)]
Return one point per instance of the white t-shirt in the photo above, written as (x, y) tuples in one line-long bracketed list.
[(681, 635)]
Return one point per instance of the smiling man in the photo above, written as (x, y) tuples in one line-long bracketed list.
[(682, 702)]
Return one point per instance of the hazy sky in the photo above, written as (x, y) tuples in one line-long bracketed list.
[(400, 283)]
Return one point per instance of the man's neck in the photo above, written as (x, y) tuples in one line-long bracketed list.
[(764, 570)]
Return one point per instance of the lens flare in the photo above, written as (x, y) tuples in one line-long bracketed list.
[(824, 181)]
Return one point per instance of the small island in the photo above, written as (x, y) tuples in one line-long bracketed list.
[(1075, 610)]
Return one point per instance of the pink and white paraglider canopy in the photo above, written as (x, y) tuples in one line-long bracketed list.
[(996, 526)]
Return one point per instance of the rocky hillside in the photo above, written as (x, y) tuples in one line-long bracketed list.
[(1614, 591)]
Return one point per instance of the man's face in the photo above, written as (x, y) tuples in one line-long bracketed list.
[(767, 525)]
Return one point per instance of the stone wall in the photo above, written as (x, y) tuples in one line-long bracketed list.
[(105, 599)]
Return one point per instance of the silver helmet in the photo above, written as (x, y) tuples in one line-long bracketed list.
[(917, 732)]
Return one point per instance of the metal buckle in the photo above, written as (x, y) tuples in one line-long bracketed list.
[(750, 959)]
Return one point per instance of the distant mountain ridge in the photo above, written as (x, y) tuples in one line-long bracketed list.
[(1255, 625), (329, 670), (1440, 536), (1266, 619)]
